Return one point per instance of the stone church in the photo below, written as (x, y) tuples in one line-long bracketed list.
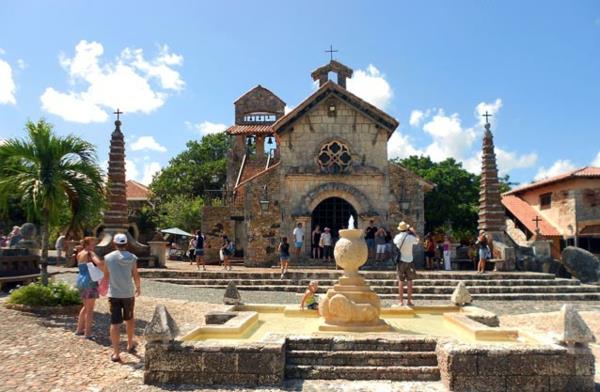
[(325, 160)]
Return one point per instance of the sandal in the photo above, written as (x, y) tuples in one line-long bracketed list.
[(90, 337), (133, 349), (77, 333), (115, 358)]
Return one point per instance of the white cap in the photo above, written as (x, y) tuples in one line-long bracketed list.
[(120, 239)]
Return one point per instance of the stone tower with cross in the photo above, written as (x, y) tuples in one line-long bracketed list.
[(328, 161)]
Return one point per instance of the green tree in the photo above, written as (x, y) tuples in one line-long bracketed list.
[(454, 200), (45, 171), (182, 212), (201, 167)]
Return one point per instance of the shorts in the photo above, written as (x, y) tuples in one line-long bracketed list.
[(89, 293), (381, 248), (313, 306), (298, 244), (327, 251), (484, 253), (406, 271), (429, 254), (121, 309), (199, 252), (284, 257), (370, 242)]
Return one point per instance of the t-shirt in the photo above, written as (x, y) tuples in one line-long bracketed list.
[(285, 249), (60, 242), (406, 251), (120, 266), (200, 241), (298, 234), (326, 239), (370, 232)]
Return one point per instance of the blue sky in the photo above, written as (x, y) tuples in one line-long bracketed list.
[(176, 67)]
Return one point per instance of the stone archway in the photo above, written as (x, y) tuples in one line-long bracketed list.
[(352, 195), (332, 212)]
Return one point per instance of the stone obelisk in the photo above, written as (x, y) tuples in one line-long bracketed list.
[(491, 211), (115, 218)]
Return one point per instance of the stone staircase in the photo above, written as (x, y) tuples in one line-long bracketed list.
[(398, 359), (427, 286)]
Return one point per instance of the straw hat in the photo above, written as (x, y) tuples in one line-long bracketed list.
[(403, 226)]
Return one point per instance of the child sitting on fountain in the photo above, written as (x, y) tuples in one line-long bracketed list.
[(309, 299)]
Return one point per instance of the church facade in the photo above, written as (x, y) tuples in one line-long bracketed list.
[(326, 160)]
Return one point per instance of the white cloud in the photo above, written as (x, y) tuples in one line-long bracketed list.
[(206, 127), (449, 138), (21, 64), (7, 83), (416, 118), (491, 108), (129, 83), (371, 86), (510, 160), (401, 146), (149, 170), (131, 170), (559, 167), (596, 161), (147, 143)]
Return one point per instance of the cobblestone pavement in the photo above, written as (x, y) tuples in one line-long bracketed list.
[(41, 353)]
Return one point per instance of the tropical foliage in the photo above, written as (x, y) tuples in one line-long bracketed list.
[(47, 172), (52, 294)]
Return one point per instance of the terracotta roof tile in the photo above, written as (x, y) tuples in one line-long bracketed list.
[(249, 130), (526, 214), (137, 191), (584, 172)]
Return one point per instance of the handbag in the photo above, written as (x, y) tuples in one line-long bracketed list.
[(103, 287), (96, 273)]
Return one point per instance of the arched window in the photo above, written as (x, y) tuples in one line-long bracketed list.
[(334, 157)]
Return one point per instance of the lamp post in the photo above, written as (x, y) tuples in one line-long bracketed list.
[(264, 201)]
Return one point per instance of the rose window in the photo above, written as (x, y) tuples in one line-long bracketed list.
[(334, 157)]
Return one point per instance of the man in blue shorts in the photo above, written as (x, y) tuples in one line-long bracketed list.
[(298, 235)]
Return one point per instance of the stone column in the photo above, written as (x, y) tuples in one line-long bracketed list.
[(159, 250), (115, 218)]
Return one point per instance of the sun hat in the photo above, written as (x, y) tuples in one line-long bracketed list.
[(120, 239), (403, 226)]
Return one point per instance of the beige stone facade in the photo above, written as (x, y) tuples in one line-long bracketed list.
[(330, 162)]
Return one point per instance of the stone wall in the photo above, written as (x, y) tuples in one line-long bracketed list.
[(408, 191), (262, 227), (496, 368), (203, 364), (259, 99), (215, 222)]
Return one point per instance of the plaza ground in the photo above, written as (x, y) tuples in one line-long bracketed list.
[(41, 353)]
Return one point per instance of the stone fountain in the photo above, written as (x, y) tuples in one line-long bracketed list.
[(351, 305)]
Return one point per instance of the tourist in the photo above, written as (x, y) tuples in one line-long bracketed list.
[(380, 244), (14, 237), (388, 244), (316, 239), (404, 241), (199, 249), (284, 255), (484, 252), (60, 246), (370, 238), (121, 266), (88, 287), (446, 248), (326, 243), (227, 249), (309, 299), (298, 234), (192, 249), (429, 246)]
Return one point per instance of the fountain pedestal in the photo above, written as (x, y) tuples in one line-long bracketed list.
[(351, 305)]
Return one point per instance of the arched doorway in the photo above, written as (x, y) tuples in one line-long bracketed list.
[(334, 213)]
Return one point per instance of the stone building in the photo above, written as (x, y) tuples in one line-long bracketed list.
[(327, 160), (564, 209)]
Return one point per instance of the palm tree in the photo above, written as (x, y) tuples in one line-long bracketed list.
[(45, 171)]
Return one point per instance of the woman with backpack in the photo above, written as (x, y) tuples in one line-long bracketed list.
[(227, 250)]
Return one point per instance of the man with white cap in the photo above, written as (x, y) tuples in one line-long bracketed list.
[(404, 241), (121, 266)]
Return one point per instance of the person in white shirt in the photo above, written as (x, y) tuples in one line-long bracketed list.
[(326, 243), (298, 234), (404, 241)]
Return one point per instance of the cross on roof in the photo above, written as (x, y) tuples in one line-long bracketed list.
[(331, 51), (118, 113), (537, 221), (486, 115)]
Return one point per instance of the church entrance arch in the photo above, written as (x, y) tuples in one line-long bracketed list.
[(334, 213)]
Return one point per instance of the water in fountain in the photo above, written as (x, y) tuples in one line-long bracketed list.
[(351, 222)]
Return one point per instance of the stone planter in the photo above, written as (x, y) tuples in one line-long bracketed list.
[(350, 251), (58, 310)]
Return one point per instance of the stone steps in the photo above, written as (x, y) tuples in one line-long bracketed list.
[(372, 282), (403, 359)]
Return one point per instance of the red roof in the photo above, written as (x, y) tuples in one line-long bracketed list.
[(584, 172), (526, 214), (249, 130), (136, 191)]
